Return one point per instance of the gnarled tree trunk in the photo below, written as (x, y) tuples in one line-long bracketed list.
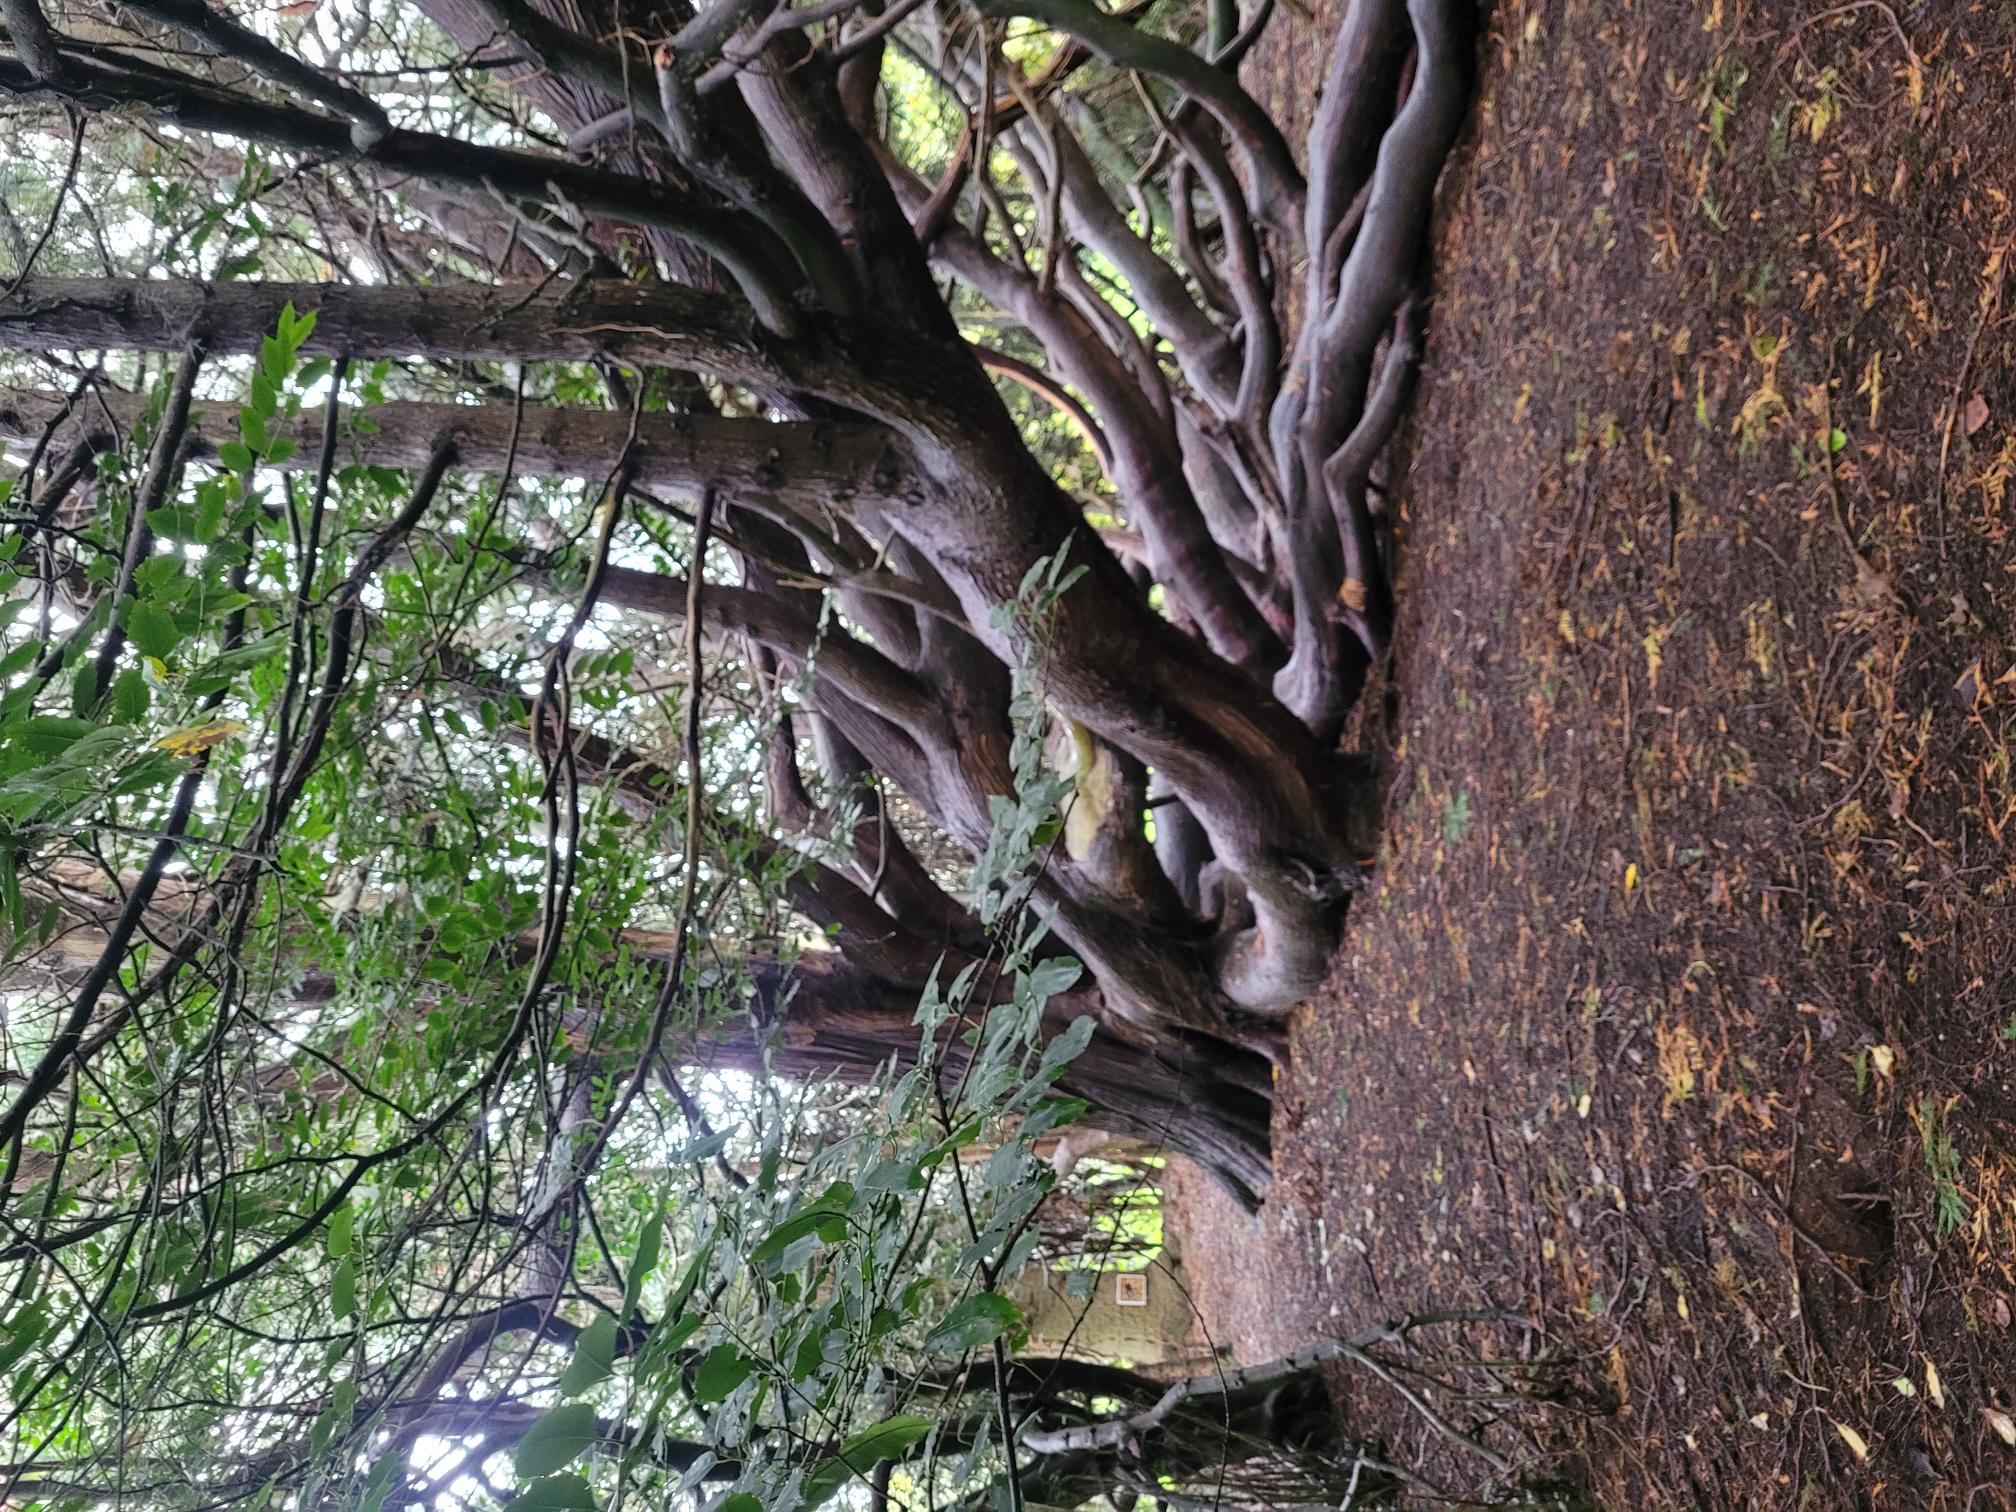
[(734, 225)]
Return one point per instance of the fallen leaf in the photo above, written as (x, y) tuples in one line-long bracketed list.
[(1858, 1445), (1630, 876), (1968, 685), (1903, 1387), (2003, 1424), (2001, 1313), (1884, 1059), (1974, 416), (1934, 1388)]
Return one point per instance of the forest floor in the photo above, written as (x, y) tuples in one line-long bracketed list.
[(1682, 1017)]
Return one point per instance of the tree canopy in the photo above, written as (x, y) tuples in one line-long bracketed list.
[(640, 649)]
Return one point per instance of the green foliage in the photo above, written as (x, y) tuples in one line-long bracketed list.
[(355, 1105), (1942, 1162), (974, 1323), (1455, 817), (557, 1440)]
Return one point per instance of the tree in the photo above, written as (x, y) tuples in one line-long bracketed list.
[(700, 521), (759, 208)]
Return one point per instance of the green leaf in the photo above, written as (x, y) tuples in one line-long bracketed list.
[(825, 1216), (152, 629), (252, 429), (724, 1368), (235, 455), (342, 1403), (1058, 974), (887, 1440), (49, 734), (178, 522), (219, 671), (378, 1484), (1054, 1113), (22, 1330), (649, 1242), (162, 579), (1064, 1049), (235, 267), (977, 1321), (555, 1493), (150, 771), (741, 1501), (84, 690), (343, 1291), (556, 1440), (342, 1232), (594, 1357), (130, 696)]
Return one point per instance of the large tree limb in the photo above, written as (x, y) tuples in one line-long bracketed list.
[(1269, 795), (1340, 338), (1146, 456), (808, 465), (369, 123), (29, 32), (1223, 1383), (196, 106), (1278, 185)]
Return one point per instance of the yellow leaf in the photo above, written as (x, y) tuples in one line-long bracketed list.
[(1857, 1445), (1884, 1059), (1903, 1387), (194, 740), (1631, 877), (2003, 1424)]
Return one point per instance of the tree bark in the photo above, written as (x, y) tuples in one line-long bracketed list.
[(808, 465), (1186, 1093), (1277, 809)]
